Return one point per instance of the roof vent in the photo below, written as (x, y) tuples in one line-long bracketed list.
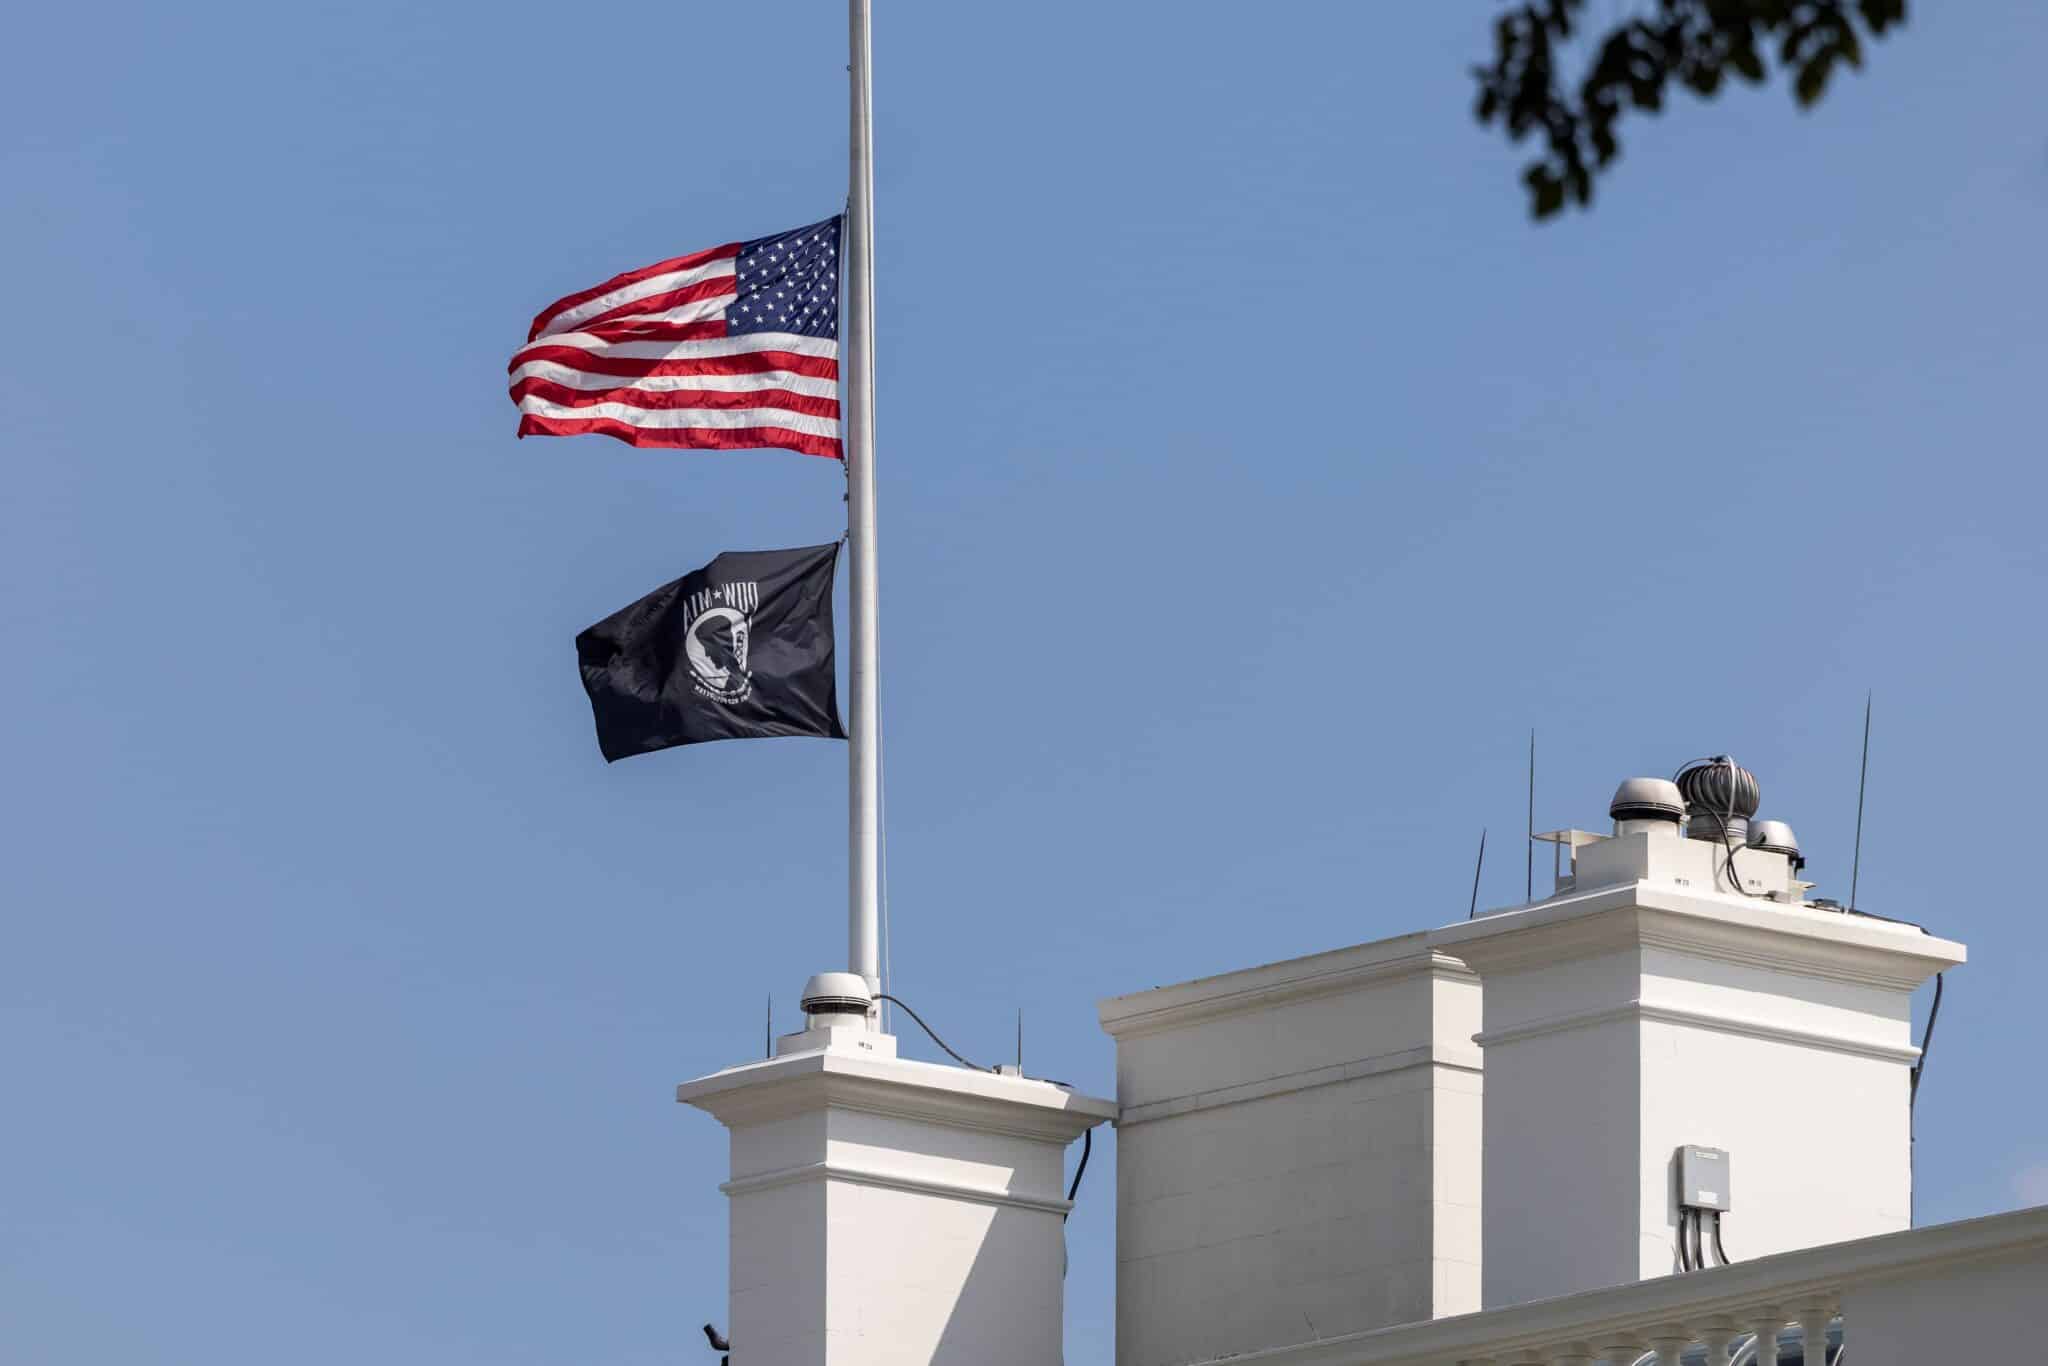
[(1647, 799), (836, 993), (1720, 796), (1776, 837)]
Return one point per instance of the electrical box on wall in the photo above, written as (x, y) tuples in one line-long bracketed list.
[(1703, 1179)]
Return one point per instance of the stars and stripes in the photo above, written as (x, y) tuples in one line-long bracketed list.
[(732, 348)]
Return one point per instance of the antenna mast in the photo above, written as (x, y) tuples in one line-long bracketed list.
[(1473, 909), (1529, 849), (1862, 781)]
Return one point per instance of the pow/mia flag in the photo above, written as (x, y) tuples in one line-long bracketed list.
[(740, 649)]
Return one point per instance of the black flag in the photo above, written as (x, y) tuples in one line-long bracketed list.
[(738, 650)]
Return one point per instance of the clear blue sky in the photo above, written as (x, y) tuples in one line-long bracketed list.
[(1253, 477)]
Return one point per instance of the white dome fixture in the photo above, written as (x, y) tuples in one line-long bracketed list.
[(1647, 799), (1776, 837), (836, 993)]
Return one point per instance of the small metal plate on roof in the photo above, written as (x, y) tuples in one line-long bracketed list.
[(1570, 839)]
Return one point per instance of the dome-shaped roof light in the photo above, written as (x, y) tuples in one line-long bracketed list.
[(836, 993), (1647, 799), (1776, 837)]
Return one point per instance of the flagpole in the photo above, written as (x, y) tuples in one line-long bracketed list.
[(864, 899)]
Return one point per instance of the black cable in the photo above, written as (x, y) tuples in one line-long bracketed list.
[(1684, 1254), (1728, 838), (885, 996), (1913, 1107), (1727, 817), (1733, 876), (1926, 1042), (1087, 1135), (1887, 919), (1699, 1255), (1087, 1147), (1720, 1249)]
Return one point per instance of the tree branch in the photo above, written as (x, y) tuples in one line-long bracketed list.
[(1697, 43)]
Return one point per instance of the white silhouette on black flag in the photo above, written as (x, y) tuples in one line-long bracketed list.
[(739, 650)]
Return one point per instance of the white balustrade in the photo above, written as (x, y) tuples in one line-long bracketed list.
[(1714, 1343), (1718, 1339), (1680, 1345), (1734, 1315), (1764, 1328)]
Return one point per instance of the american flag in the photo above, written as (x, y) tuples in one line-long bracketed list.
[(731, 348)]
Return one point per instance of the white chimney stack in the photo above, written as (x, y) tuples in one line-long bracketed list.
[(1651, 1006), (1297, 1152), (887, 1211)]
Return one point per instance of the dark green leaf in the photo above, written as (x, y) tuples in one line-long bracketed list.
[(1546, 192), (1813, 79), (1581, 183), (1848, 48)]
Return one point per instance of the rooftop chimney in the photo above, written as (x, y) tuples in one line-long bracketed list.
[(1297, 1152), (1678, 994), (888, 1211)]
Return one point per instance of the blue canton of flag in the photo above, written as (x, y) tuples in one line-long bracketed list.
[(788, 283)]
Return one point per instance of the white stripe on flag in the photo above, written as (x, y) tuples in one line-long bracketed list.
[(744, 345), (571, 378), (727, 418)]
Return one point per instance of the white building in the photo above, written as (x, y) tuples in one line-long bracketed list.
[(1520, 1138)]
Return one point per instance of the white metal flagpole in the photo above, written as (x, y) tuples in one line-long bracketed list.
[(864, 900)]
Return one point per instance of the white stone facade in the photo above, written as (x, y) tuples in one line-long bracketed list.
[(885, 1211), (1643, 1010), (1297, 1152)]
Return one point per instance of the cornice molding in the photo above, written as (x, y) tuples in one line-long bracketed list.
[(897, 1181), (1274, 984), (1810, 943), (828, 1079), (1640, 1010), (1437, 1056)]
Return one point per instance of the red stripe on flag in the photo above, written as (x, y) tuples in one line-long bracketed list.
[(629, 329), (630, 367), (696, 438), (696, 258), (721, 399), (655, 303)]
